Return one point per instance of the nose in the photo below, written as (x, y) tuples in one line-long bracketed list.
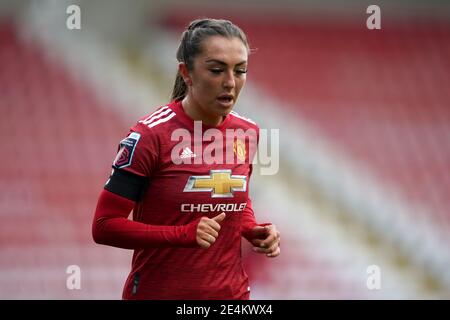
[(229, 81)]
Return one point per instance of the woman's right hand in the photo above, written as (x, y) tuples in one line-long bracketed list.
[(208, 230)]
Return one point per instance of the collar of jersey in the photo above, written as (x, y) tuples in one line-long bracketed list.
[(189, 122)]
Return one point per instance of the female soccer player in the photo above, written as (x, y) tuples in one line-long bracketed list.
[(184, 170)]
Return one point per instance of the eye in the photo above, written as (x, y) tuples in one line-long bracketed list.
[(216, 70), (241, 71)]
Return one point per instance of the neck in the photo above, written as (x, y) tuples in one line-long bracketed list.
[(197, 114)]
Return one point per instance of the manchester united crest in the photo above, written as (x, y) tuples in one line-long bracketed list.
[(239, 149)]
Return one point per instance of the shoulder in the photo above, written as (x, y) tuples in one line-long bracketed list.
[(155, 122), (157, 118), (243, 122)]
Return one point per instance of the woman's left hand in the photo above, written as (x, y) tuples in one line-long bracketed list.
[(267, 240)]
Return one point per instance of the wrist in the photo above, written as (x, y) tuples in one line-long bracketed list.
[(188, 234)]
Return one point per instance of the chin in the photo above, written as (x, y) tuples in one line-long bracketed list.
[(225, 112), (225, 109)]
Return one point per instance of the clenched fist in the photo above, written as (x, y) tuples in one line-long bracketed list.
[(208, 230), (266, 239)]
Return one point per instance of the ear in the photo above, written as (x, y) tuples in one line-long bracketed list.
[(182, 68)]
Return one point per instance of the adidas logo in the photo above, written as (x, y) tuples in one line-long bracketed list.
[(187, 153)]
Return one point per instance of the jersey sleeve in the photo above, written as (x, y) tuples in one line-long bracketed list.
[(135, 161), (248, 220), (248, 215), (112, 227), (138, 152)]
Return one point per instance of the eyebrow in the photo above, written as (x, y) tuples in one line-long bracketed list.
[(224, 63)]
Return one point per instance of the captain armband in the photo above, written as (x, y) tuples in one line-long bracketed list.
[(127, 184)]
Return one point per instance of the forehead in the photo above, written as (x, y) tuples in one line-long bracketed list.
[(229, 50)]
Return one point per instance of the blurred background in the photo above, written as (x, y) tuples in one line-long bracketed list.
[(364, 120)]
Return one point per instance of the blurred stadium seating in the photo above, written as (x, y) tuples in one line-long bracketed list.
[(364, 123), (58, 139)]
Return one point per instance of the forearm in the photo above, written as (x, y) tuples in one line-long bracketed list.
[(249, 223), (112, 227)]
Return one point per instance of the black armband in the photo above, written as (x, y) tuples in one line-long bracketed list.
[(127, 184)]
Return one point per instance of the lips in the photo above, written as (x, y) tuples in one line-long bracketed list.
[(225, 98)]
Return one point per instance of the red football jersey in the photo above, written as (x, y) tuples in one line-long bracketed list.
[(193, 170)]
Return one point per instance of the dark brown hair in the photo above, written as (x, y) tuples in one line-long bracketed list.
[(191, 41)]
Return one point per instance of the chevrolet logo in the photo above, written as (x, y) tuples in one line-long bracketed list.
[(220, 183)]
